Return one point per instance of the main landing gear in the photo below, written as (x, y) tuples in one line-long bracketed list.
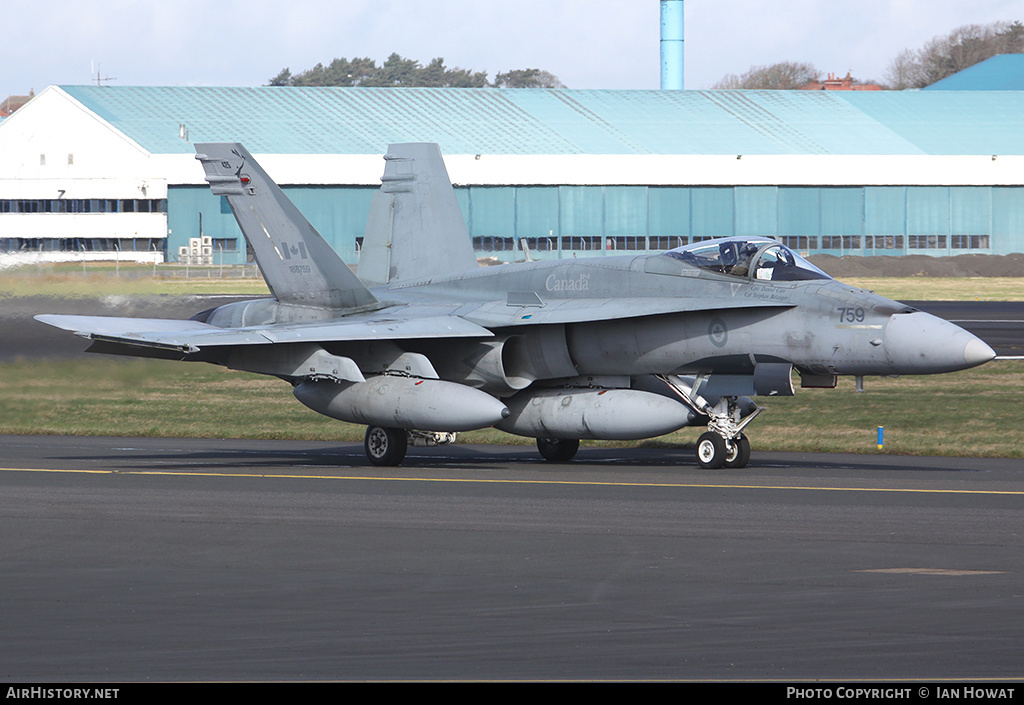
[(558, 450), (385, 446)]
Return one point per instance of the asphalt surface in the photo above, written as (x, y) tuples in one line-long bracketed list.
[(130, 559)]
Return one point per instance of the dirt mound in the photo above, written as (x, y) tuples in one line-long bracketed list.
[(849, 266)]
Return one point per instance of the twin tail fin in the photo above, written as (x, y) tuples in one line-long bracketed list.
[(298, 264)]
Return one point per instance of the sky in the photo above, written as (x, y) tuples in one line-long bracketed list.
[(586, 43)]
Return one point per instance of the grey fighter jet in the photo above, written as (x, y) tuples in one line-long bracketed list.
[(425, 343)]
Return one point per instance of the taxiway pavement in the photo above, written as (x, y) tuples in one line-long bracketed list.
[(128, 559)]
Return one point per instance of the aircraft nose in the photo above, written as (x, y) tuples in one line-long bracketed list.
[(920, 343), (978, 352)]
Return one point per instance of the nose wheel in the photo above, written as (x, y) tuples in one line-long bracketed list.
[(714, 451), (737, 453), (711, 451)]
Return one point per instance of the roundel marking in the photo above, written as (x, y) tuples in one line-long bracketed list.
[(718, 333)]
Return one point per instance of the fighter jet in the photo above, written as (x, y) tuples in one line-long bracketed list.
[(425, 343)]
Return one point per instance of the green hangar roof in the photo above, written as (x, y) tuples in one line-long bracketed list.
[(274, 120)]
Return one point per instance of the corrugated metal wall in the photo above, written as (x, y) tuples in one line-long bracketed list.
[(339, 214), (567, 221)]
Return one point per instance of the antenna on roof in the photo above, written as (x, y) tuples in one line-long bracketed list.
[(99, 78)]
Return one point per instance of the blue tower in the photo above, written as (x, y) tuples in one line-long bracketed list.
[(671, 44)]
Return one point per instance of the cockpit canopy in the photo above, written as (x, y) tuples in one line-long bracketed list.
[(750, 258)]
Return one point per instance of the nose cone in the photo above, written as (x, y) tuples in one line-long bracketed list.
[(919, 343), (978, 352)]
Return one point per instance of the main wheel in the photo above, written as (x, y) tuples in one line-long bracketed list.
[(737, 453), (711, 451), (385, 446), (558, 450)]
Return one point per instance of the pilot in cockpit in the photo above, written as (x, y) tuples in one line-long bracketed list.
[(736, 257)]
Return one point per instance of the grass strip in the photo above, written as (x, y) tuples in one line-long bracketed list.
[(970, 413)]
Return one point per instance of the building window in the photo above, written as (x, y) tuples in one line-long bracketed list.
[(493, 244), (628, 243), (227, 244), (926, 242), (84, 205), (82, 244), (970, 242), (799, 242), (883, 242), (585, 244), (840, 242), (662, 243), (541, 244)]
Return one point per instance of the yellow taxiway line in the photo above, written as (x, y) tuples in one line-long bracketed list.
[(506, 481)]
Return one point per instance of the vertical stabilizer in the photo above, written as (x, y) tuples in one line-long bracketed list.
[(298, 264), (415, 229)]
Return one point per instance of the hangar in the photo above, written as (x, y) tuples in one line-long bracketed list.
[(90, 171)]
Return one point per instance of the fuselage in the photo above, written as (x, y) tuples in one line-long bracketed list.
[(720, 322), (680, 312)]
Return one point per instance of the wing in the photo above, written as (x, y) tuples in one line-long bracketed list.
[(191, 337)]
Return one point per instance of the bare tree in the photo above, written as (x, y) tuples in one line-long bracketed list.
[(960, 49), (905, 71), (785, 75)]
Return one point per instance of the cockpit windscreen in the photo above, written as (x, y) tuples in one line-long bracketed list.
[(750, 258)]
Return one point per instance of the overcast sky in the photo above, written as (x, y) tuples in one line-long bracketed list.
[(586, 43)]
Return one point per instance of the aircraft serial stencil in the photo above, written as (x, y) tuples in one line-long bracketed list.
[(425, 343)]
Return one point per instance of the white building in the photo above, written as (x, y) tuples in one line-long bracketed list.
[(100, 172)]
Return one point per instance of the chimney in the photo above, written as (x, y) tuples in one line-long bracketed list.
[(671, 44)]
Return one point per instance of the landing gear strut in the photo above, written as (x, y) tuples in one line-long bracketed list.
[(385, 446), (724, 444), (726, 424)]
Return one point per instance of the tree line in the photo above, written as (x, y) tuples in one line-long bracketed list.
[(940, 57), (960, 49), (398, 71)]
